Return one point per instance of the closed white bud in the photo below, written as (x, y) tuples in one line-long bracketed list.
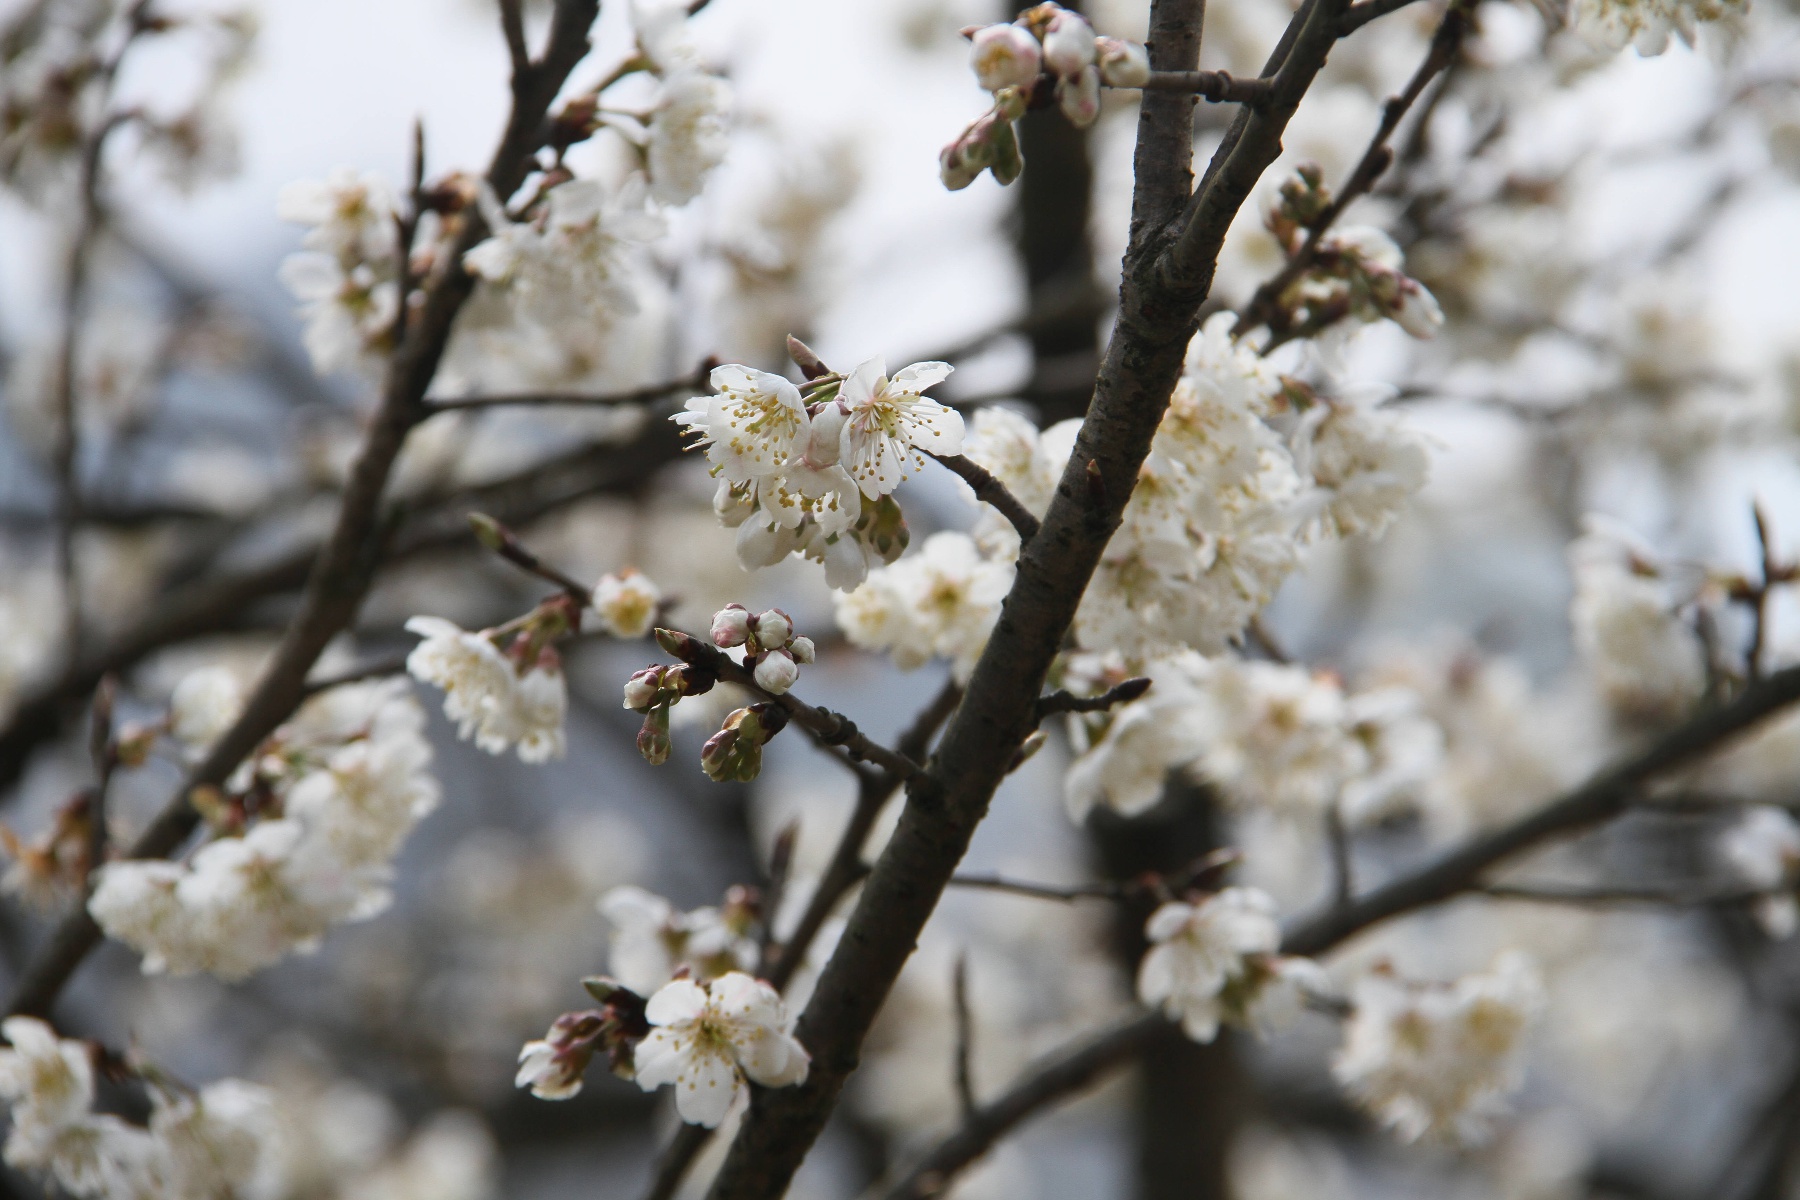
[(803, 650), (641, 689), (1004, 56), (731, 626), (1069, 44), (774, 629), (824, 435), (776, 672), (1123, 64), (1079, 96)]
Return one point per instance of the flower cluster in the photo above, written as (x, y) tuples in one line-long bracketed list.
[(220, 1141), (940, 602), (1356, 271), (687, 133), (653, 941), (1645, 25), (500, 698), (315, 819), (1648, 661), (1215, 959), (1268, 736), (1439, 1059), (1047, 45), (347, 277), (770, 646), (704, 1037), (814, 473)]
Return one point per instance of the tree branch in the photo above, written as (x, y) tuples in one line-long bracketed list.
[(341, 575), (1263, 307), (1068, 702), (1603, 796), (1220, 87), (648, 394), (989, 490)]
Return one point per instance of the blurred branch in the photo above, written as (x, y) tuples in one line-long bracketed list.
[(1369, 10), (641, 395), (965, 1035), (1264, 308), (345, 567), (1601, 797), (1608, 897), (1051, 1079)]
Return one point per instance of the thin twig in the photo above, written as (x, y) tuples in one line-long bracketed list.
[(504, 542), (1337, 838), (640, 395), (1067, 893), (990, 490), (1067, 702), (1263, 307), (1220, 87), (965, 1035), (1607, 897), (381, 668), (829, 729)]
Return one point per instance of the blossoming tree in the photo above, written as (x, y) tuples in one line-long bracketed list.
[(1268, 838)]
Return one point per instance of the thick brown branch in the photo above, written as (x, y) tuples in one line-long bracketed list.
[(1369, 10), (989, 490), (341, 575)]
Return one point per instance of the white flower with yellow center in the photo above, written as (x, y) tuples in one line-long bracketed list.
[(709, 1038), (755, 426), (890, 421)]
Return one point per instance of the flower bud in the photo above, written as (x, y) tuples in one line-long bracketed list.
[(882, 528), (776, 672), (824, 435), (1123, 64), (803, 650), (679, 644), (1004, 56), (1078, 96), (653, 738), (731, 626), (962, 161), (774, 629), (1418, 312), (643, 689), (733, 503), (1068, 44)]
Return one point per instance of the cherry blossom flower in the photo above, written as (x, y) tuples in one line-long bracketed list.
[(1004, 56), (889, 421), (707, 1039), (753, 427), (204, 705), (1763, 849), (627, 603), (1439, 1060), (1200, 951), (688, 134)]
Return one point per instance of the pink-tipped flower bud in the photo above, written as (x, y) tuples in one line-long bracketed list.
[(1069, 44), (643, 689), (731, 626), (776, 672), (653, 739), (1004, 56), (774, 629), (1078, 95), (803, 650), (1123, 64)]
